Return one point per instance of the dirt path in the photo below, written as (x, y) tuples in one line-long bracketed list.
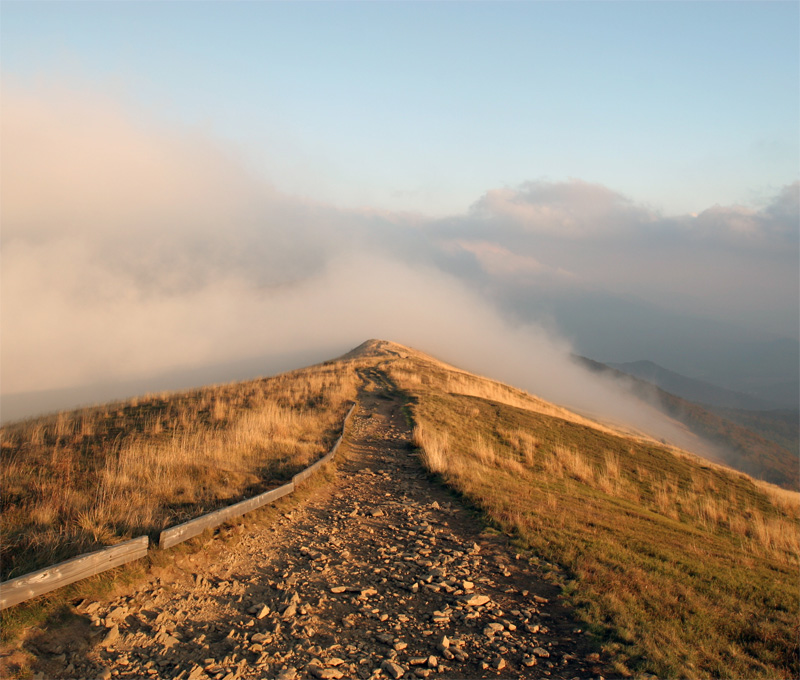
[(382, 573)]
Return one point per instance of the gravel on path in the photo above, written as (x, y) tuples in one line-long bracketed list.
[(382, 573)]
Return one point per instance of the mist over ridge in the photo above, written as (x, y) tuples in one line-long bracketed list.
[(132, 251)]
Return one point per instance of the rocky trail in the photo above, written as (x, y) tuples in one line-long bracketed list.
[(381, 573)]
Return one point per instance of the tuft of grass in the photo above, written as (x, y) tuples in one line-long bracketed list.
[(434, 447)]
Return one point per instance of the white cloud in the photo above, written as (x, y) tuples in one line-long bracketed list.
[(562, 209), (774, 225), (730, 263), (500, 262)]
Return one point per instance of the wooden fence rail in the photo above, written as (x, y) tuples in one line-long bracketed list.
[(185, 531), (25, 587), (45, 580), (311, 469)]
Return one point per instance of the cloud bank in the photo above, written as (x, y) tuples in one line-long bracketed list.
[(130, 249)]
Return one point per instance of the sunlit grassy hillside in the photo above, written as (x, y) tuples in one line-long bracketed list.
[(681, 567), (762, 444), (684, 568), (79, 480)]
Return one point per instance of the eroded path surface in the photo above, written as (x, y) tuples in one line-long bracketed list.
[(381, 574)]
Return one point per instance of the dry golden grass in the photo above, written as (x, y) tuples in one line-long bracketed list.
[(788, 501), (438, 375), (435, 448), (681, 567), (78, 480), (685, 568)]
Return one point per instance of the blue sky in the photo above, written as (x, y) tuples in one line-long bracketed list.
[(424, 106)]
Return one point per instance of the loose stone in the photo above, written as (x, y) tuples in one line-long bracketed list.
[(475, 600), (325, 673), (196, 673), (393, 669), (112, 635), (404, 557)]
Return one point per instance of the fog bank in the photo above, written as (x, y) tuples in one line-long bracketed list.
[(132, 252)]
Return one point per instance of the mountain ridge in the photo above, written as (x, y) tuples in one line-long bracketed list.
[(646, 542), (747, 450), (698, 391)]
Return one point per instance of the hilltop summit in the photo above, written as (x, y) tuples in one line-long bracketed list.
[(376, 348)]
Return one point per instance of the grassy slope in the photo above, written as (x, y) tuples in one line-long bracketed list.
[(781, 426), (685, 568), (83, 479), (741, 433)]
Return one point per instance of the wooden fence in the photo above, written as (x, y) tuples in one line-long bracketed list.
[(46, 580), (185, 531), (311, 469)]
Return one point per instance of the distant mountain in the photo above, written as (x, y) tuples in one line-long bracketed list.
[(739, 432), (786, 392), (694, 390), (735, 356)]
